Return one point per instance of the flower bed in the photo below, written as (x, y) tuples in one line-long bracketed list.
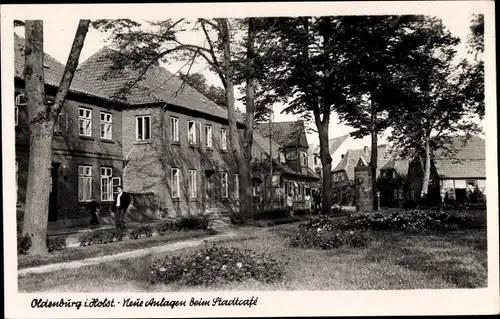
[(411, 220), (215, 265), (329, 238), (195, 222)]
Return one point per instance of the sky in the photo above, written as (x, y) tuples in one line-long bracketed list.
[(59, 33)]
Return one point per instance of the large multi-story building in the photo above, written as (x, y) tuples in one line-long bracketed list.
[(161, 138)]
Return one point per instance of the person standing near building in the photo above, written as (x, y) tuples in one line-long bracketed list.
[(120, 205)]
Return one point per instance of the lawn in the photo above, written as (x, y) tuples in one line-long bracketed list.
[(393, 260), (97, 250)]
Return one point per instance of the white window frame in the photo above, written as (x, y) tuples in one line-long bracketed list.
[(143, 126), (174, 129), (115, 182), (175, 182), (17, 103), (224, 188), (208, 136), (85, 175), (236, 186), (192, 183), (106, 177), (223, 139), (86, 120), (413, 194), (106, 121), (191, 132), (57, 125)]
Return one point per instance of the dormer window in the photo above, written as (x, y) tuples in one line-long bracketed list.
[(282, 156)]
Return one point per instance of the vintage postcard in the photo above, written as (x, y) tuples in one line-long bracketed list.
[(249, 159)]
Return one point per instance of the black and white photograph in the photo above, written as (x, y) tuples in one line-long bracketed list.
[(250, 159)]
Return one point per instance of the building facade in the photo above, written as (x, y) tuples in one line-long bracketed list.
[(162, 140), (453, 176)]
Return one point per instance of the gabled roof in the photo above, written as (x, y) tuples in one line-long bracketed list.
[(400, 165), (473, 148), (53, 71), (350, 160), (468, 162), (352, 157), (263, 144), (158, 85), (463, 169), (283, 133), (333, 144)]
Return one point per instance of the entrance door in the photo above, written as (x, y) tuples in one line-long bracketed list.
[(53, 193), (209, 190)]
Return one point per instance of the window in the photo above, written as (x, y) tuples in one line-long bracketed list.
[(223, 139), (335, 177), (106, 126), (143, 127), (191, 132), (84, 183), (61, 125), (174, 129), (395, 193), (303, 159), (192, 183), (315, 160), (115, 182), (413, 195), (85, 121), (236, 186), (224, 184), (282, 156), (208, 136), (175, 182), (19, 100), (106, 187)]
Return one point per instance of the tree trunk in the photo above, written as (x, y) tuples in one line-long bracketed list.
[(234, 137), (245, 183), (374, 153), (326, 162), (373, 165), (326, 158), (41, 127), (427, 168)]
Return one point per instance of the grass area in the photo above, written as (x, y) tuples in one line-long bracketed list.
[(394, 260), (97, 250)]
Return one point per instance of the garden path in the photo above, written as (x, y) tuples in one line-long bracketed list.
[(230, 235)]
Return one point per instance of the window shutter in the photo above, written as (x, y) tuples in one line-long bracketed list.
[(198, 133)]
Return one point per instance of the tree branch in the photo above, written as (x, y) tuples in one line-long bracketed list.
[(70, 68)]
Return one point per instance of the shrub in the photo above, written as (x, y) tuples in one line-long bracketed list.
[(99, 237), (23, 244), (141, 232), (166, 227), (272, 214), (412, 220), (53, 243), (56, 243), (301, 212), (215, 265), (199, 221), (329, 239), (236, 218)]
